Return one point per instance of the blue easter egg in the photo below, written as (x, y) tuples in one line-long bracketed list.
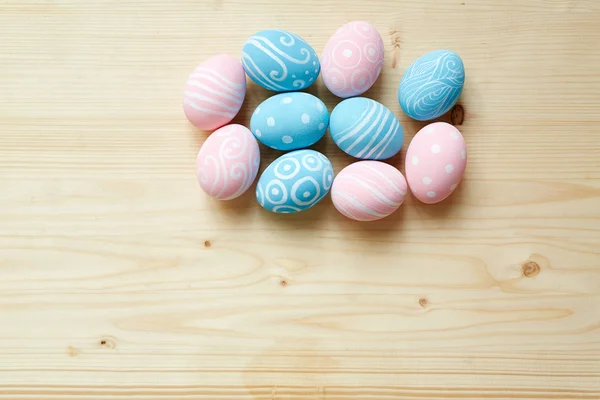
[(280, 61), (290, 121), (366, 129), (432, 85), (294, 182)]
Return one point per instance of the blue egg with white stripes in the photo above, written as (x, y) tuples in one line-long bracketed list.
[(290, 121), (280, 61), (432, 85), (366, 129), (295, 182)]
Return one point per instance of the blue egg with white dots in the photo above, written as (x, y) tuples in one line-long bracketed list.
[(294, 182), (280, 61), (290, 121), (366, 129), (432, 85)]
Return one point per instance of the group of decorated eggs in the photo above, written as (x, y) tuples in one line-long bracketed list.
[(366, 190)]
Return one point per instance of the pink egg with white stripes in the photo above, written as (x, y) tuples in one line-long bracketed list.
[(227, 162), (214, 92), (352, 59), (368, 190), (435, 162)]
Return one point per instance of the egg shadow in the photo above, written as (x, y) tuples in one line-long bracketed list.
[(383, 88), (255, 95), (319, 90), (455, 116), (374, 230), (313, 218), (198, 135), (239, 207), (443, 210)]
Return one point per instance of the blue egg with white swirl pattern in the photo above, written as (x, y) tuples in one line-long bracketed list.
[(290, 121), (294, 182), (280, 61), (432, 85), (366, 129)]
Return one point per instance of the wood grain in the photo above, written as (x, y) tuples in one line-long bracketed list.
[(119, 278)]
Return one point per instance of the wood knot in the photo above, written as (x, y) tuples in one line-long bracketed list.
[(530, 269), (108, 343), (457, 116), (207, 243), (72, 351), (423, 302), (283, 283)]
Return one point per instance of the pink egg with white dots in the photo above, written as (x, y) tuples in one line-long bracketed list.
[(214, 92), (352, 59), (368, 190), (435, 162), (228, 162)]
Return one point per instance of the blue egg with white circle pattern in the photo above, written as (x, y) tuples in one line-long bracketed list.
[(294, 182), (280, 61), (290, 121), (366, 129), (432, 85)]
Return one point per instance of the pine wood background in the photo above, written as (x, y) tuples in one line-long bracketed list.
[(119, 278)]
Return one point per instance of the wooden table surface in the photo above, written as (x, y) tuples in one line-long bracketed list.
[(119, 278)]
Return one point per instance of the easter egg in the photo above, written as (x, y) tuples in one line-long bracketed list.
[(294, 182), (364, 128), (352, 59), (435, 162), (290, 121), (214, 92), (432, 85), (280, 61), (227, 162), (368, 190)]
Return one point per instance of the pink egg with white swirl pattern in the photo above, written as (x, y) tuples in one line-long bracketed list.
[(214, 92), (227, 162), (352, 59), (368, 190)]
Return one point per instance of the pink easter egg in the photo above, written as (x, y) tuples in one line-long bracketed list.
[(368, 190), (435, 162), (352, 59), (227, 162), (214, 92)]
